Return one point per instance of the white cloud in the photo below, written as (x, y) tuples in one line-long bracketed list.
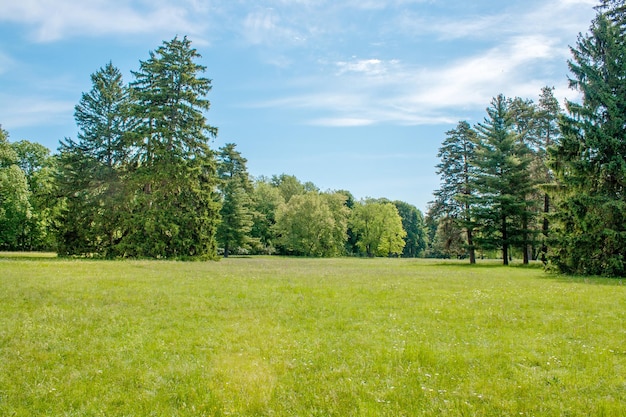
[(527, 48), (52, 20), (264, 26), (19, 112), (342, 122)]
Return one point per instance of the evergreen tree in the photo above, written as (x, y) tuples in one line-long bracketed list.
[(502, 181), (590, 160), (91, 169), (175, 209), (548, 113), (525, 125), (453, 201), (235, 187)]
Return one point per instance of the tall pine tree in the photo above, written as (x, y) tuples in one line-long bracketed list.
[(502, 181), (175, 211), (91, 169), (454, 199), (590, 160)]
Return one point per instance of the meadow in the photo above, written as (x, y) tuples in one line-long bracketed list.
[(272, 336)]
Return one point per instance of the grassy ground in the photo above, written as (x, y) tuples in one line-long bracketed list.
[(304, 337)]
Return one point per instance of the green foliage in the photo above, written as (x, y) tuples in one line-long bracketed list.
[(140, 180), (175, 209), (413, 223), (312, 224), (378, 228), (590, 160), (289, 185), (502, 181), (15, 208), (92, 170), (266, 199), (40, 169), (236, 214), (457, 169), (28, 205)]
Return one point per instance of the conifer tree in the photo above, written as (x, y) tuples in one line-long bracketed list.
[(454, 199), (235, 188), (502, 180), (91, 169), (175, 211), (590, 160)]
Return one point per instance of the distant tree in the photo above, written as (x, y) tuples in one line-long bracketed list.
[(502, 180), (350, 201), (589, 233), (312, 224), (39, 167), (413, 223), (15, 208), (266, 199), (454, 199), (378, 227), (338, 205), (289, 185), (235, 186), (448, 239)]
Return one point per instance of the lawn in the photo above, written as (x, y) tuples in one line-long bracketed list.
[(307, 337)]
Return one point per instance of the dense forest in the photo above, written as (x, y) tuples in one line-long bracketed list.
[(532, 180)]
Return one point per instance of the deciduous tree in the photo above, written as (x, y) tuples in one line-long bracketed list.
[(378, 228)]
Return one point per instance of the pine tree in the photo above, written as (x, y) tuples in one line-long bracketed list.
[(502, 181), (175, 212), (548, 113), (235, 188), (590, 160), (456, 169), (91, 169)]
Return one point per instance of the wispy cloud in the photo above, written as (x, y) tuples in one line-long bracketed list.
[(51, 20), (522, 52), (28, 111)]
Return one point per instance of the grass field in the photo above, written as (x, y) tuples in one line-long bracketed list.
[(307, 337)]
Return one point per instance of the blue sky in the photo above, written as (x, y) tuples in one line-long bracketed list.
[(347, 94)]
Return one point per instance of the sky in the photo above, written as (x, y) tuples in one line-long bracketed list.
[(350, 95)]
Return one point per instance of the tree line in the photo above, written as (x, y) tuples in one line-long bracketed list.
[(546, 182), (141, 181), (532, 180)]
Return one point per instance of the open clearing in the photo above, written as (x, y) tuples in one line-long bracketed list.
[(307, 337)]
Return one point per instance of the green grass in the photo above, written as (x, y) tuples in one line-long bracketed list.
[(307, 337)]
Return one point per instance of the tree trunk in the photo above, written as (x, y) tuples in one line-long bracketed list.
[(470, 244), (545, 227), (505, 243)]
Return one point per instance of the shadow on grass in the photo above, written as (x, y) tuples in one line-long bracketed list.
[(535, 265), (28, 255), (485, 263)]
